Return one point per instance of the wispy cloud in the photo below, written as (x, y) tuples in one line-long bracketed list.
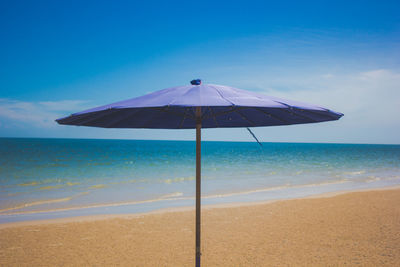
[(372, 95), (38, 114), (370, 101)]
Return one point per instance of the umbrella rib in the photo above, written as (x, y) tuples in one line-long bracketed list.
[(177, 113), (327, 113), (183, 94), (233, 108), (98, 116), (292, 111), (244, 117), (213, 116), (165, 109), (183, 119), (134, 111), (159, 109), (271, 115), (222, 95)]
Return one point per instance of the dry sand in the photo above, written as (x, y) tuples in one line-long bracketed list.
[(359, 228)]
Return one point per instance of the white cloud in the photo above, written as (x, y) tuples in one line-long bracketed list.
[(38, 114)]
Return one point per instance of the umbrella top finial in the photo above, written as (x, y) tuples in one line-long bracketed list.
[(195, 82)]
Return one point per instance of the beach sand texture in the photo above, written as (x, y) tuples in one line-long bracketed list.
[(359, 228)]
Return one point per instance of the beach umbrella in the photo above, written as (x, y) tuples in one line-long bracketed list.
[(197, 106)]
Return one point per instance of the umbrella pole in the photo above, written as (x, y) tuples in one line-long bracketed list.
[(198, 183)]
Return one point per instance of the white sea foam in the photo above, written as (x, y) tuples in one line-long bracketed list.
[(355, 172), (168, 197), (276, 188), (41, 202), (176, 196)]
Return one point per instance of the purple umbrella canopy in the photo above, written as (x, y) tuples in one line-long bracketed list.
[(221, 107), (200, 106)]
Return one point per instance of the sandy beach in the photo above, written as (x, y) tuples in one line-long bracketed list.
[(357, 228)]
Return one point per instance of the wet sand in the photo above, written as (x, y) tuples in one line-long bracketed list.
[(358, 228)]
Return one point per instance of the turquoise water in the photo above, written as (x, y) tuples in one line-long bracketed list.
[(46, 178)]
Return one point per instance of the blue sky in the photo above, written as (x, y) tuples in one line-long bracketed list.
[(60, 57)]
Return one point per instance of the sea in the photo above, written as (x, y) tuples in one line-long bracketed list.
[(58, 178)]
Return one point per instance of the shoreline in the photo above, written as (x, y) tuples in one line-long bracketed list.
[(90, 218), (336, 229), (176, 200)]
